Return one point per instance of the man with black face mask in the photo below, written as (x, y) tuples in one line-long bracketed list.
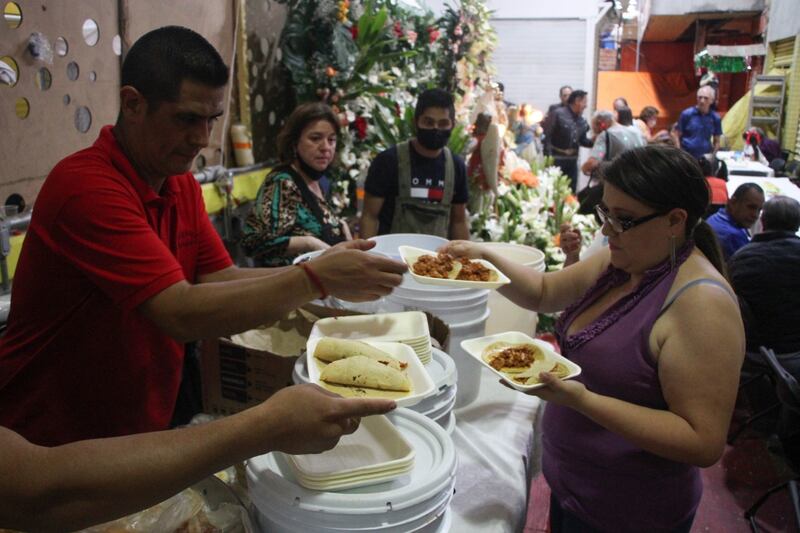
[(419, 186)]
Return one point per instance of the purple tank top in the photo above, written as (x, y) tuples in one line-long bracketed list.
[(603, 478)]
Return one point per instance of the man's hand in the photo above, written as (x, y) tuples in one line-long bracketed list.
[(308, 419), (347, 272)]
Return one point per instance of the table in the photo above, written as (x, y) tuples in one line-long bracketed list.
[(744, 167), (772, 186), (494, 438)]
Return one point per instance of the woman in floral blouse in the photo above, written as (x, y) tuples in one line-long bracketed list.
[(291, 215)]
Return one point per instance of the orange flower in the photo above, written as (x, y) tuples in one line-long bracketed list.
[(557, 239), (533, 181), (571, 199), (520, 175), (330, 72)]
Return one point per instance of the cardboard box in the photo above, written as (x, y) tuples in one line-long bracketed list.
[(236, 377)]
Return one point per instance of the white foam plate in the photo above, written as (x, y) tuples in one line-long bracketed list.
[(475, 347), (421, 383), (442, 369), (411, 254), (375, 446), (408, 327), (272, 483)]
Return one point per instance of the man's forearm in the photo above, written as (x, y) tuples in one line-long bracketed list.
[(205, 310), (78, 485), (369, 226), (236, 273)]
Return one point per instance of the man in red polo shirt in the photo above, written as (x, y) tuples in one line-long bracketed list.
[(121, 265)]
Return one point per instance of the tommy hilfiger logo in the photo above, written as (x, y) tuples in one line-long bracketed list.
[(424, 188)]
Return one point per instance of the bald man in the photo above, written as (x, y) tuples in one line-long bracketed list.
[(699, 127)]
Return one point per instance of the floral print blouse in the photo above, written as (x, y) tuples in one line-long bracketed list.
[(280, 213)]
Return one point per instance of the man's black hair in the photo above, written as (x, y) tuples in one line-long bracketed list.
[(576, 95), (435, 98), (742, 189), (160, 60)]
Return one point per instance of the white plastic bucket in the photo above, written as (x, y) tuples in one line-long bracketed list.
[(519, 253), (506, 315), (469, 370), (449, 308), (389, 244)]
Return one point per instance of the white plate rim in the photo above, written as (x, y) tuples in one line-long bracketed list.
[(410, 254), (475, 346)]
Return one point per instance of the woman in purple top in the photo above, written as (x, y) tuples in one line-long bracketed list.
[(653, 323)]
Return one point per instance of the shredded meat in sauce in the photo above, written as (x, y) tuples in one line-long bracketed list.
[(440, 266), (434, 266), (514, 357), (472, 271)]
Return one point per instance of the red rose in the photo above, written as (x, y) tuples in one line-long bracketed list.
[(398, 30), (354, 31), (361, 127), (433, 34)]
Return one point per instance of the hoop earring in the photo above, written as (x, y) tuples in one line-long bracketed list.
[(672, 259)]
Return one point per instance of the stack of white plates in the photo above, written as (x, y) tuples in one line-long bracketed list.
[(416, 501), (410, 328), (437, 406), (376, 453)]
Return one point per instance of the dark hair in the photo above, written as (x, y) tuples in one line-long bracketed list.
[(501, 86), (781, 213), (161, 59), (706, 167), (648, 112), (301, 117), (625, 116), (561, 90), (576, 95), (434, 98), (742, 189), (665, 178), (620, 99)]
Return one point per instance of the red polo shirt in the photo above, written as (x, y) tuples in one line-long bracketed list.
[(78, 360)]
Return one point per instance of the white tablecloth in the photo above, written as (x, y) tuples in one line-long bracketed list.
[(494, 438)]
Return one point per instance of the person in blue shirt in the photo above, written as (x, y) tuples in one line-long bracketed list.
[(731, 223), (699, 127)]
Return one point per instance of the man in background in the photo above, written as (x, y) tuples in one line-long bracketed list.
[(732, 223), (764, 275), (563, 96), (419, 186), (699, 127), (565, 133)]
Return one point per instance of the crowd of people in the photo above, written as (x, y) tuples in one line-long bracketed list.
[(117, 273)]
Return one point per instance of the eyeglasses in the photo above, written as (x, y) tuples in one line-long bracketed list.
[(619, 226)]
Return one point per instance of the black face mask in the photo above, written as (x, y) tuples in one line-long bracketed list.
[(312, 173), (433, 139)]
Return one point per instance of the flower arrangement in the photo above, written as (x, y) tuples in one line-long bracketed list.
[(530, 206)]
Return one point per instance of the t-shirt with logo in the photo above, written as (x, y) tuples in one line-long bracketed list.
[(427, 181)]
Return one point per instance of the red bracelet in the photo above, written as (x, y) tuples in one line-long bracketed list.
[(314, 280)]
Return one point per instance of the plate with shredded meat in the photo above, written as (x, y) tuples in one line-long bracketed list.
[(432, 268), (519, 359)]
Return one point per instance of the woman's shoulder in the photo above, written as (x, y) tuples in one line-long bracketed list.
[(710, 288)]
